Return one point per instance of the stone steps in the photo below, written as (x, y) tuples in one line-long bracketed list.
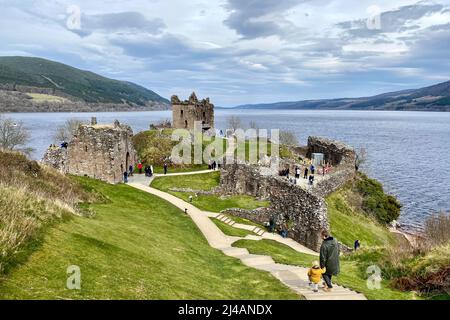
[(256, 230)]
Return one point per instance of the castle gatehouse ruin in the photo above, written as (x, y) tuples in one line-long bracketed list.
[(186, 113), (98, 151)]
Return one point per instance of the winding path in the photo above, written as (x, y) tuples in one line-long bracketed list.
[(294, 277)]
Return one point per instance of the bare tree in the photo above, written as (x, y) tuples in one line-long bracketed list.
[(13, 135), (437, 228), (288, 138), (361, 157), (66, 131), (234, 123)]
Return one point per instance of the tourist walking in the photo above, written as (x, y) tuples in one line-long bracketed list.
[(312, 169), (165, 168), (139, 166), (272, 224), (357, 245), (305, 175), (297, 173), (125, 177), (284, 230), (314, 275), (329, 259), (131, 169), (311, 180)]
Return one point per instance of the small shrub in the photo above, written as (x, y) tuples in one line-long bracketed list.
[(385, 208)]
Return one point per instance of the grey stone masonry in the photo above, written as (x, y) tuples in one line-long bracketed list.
[(102, 152), (301, 210), (304, 213), (186, 113)]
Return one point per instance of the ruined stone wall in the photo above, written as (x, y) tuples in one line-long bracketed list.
[(304, 211), (56, 157), (101, 152), (335, 152), (334, 181), (186, 113)]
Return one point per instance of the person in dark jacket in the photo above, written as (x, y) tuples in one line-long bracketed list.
[(329, 259), (131, 170), (165, 168), (357, 244), (272, 224)]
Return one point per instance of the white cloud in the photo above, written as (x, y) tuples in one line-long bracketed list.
[(239, 51)]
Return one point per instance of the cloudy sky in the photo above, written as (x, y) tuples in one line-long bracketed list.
[(240, 51)]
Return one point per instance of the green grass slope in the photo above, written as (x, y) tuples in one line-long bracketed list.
[(205, 182), (350, 220), (84, 85), (137, 246)]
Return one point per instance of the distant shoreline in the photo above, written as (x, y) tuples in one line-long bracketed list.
[(220, 108)]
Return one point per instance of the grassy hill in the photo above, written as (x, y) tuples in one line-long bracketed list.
[(137, 246), (59, 79), (128, 244)]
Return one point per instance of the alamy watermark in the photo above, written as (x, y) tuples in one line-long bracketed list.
[(373, 282), (74, 277), (373, 22), (73, 21)]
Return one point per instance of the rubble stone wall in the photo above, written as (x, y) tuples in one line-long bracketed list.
[(102, 152)]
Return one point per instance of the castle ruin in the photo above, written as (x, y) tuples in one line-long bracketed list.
[(186, 113), (98, 151), (304, 210)]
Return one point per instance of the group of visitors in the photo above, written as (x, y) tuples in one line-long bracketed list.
[(212, 165), (148, 170), (309, 172), (63, 145), (128, 173), (282, 228)]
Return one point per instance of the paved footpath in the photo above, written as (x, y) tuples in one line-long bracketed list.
[(292, 276)]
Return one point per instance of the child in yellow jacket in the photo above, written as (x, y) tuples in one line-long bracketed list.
[(315, 274)]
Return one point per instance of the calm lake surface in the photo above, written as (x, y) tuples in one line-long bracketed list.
[(409, 152)]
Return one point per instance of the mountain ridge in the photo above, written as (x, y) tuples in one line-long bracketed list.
[(81, 89), (432, 98)]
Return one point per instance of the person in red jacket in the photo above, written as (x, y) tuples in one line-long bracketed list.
[(139, 166)]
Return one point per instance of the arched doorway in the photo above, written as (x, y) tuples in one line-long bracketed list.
[(127, 161)]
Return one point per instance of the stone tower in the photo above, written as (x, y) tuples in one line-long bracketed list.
[(101, 151), (98, 151), (186, 113)]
